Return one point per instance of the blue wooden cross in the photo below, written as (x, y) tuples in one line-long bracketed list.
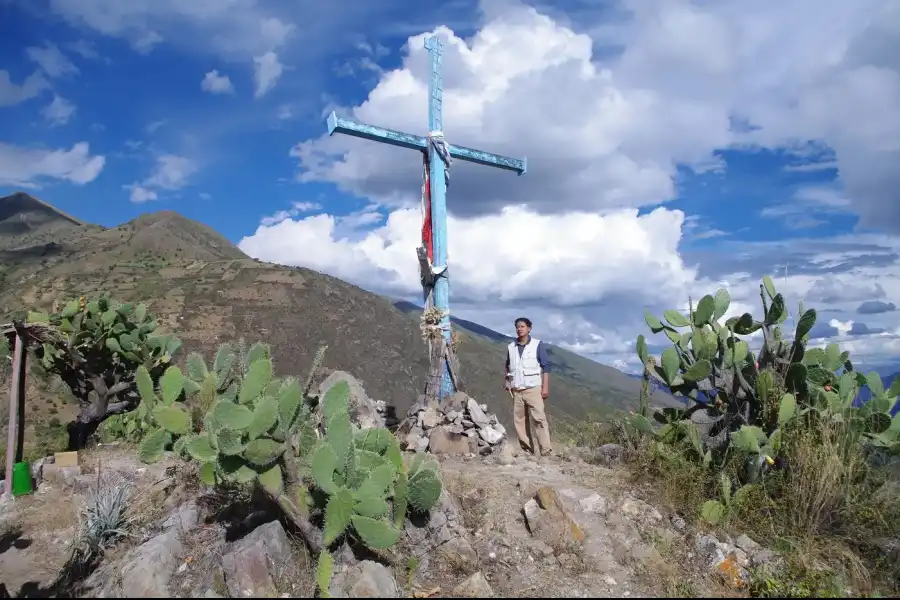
[(436, 168)]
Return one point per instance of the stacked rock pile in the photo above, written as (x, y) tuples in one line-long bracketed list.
[(457, 425)]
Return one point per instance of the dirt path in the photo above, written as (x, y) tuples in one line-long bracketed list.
[(35, 533), (615, 557)]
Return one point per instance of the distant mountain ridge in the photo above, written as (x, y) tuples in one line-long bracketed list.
[(26, 221)]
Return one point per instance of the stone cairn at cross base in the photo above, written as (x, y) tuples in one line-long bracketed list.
[(455, 425)]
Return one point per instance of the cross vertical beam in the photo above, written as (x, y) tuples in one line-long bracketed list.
[(439, 200), (436, 176)]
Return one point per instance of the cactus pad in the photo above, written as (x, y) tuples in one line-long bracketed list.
[(336, 400), (424, 490), (376, 533), (271, 480), (196, 366), (338, 512), (171, 384), (376, 484), (174, 419), (228, 442), (324, 462), (263, 452), (324, 571), (232, 416), (265, 415), (200, 449), (154, 445), (258, 376)]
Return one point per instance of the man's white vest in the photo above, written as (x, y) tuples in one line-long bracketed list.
[(524, 371)]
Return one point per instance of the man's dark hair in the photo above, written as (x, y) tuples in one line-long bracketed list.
[(525, 320)]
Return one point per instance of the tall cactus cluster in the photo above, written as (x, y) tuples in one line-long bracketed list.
[(242, 425), (755, 396), (359, 471)]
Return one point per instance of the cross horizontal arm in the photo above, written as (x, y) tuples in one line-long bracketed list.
[(418, 142)]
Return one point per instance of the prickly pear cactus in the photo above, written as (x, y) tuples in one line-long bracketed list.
[(756, 396), (102, 342), (243, 425), (360, 471), (248, 417), (366, 481)]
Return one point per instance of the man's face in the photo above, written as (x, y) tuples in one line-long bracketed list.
[(522, 329)]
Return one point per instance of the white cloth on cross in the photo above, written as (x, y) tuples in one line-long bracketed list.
[(439, 144)]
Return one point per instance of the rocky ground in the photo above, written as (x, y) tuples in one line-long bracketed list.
[(508, 526)]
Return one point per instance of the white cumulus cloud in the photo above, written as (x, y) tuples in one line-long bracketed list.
[(139, 194), (171, 173), (608, 130), (12, 93), (295, 209), (59, 111), (51, 60), (267, 70), (517, 255), (215, 83), (28, 167)]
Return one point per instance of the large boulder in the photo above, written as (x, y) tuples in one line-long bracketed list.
[(549, 521), (363, 410), (367, 579), (254, 563)]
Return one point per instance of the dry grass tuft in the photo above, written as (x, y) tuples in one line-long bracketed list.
[(826, 477), (823, 511)]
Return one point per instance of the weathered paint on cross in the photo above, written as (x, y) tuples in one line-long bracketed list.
[(436, 177)]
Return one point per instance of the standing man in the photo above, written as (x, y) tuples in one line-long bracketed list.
[(528, 381)]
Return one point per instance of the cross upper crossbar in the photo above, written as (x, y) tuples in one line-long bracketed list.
[(417, 142)]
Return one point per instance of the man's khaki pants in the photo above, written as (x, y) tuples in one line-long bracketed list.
[(531, 398)]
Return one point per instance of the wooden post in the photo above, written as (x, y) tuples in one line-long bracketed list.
[(433, 383), (18, 376)]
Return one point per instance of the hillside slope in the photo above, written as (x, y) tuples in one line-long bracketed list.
[(207, 291)]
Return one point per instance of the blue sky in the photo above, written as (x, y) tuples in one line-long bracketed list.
[(674, 146)]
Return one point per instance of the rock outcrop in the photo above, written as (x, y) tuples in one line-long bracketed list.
[(364, 411)]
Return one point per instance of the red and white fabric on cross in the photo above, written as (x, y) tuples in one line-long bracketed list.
[(426, 210)]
